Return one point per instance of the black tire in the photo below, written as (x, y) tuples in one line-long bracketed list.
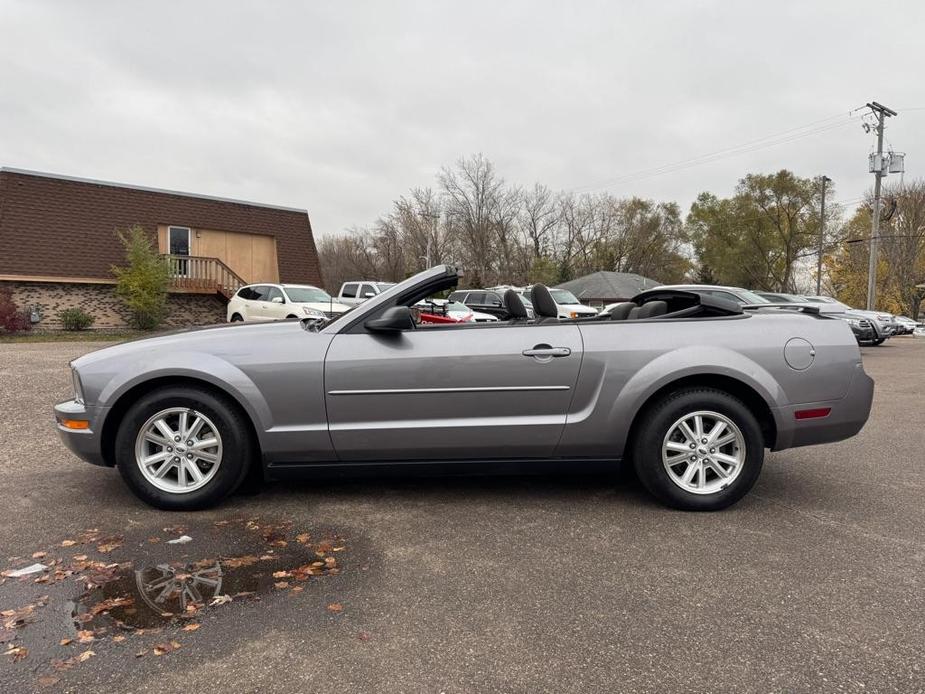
[(237, 446), (878, 342), (657, 420), (236, 318), (290, 317)]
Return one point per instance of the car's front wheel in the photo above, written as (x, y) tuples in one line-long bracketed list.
[(183, 448), (698, 449)]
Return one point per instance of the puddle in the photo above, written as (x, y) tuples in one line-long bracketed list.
[(98, 590), (150, 596)]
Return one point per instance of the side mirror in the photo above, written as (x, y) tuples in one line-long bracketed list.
[(393, 320), (277, 300)]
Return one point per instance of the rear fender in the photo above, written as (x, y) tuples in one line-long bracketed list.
[(685, 362)]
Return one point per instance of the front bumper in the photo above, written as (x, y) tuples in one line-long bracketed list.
[(847, 417), (84, 443)]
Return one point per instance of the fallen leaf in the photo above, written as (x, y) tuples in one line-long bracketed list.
[(48, 680), (109, 544), (191, 627), (154, 540), (281, 585), (237, 562), (65, 642), (17, 652), (140, 654), (68, 543), (220, 600), (281, 574), (118, 637), (80, 557), (163, 648), (363, 636), (335, 607), (39, 555), (85, 636), (85, 656), (303, 538), (297, 589)]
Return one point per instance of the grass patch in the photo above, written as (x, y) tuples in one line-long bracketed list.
[(73, 336)]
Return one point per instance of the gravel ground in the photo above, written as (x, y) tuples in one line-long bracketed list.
[(812, 583)]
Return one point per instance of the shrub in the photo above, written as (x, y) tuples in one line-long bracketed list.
[(12, 319), (142, 284), (75, 319)]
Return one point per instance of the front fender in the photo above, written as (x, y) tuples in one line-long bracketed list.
[(201, 366)]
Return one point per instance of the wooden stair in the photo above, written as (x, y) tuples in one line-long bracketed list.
[(202, 275)]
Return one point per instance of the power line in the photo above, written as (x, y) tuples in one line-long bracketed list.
[(782, 137)]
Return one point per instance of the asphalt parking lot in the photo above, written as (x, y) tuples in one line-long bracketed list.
[(814, 582)]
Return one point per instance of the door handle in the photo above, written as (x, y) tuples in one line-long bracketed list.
[(547, 351)]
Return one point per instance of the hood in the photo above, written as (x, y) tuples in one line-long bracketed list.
[(326, 306), (213, 339)]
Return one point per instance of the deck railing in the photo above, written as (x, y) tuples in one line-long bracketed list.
[(200, 274)]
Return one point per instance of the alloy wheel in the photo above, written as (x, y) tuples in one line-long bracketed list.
[(703, 452), (178, 450)]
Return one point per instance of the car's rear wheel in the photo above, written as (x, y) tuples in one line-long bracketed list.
[(182, 448), (236, 318), (698, 449)]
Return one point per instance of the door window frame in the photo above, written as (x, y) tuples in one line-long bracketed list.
[(181, 266)]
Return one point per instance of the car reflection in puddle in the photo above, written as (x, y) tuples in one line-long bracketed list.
[(142, 598)]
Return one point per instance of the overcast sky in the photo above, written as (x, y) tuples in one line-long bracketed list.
[(342, 106)]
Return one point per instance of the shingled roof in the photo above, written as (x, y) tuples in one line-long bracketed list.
[(608, 286), (61, 226)]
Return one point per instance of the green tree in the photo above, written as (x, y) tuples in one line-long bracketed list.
[(143, 282), (755, 238)]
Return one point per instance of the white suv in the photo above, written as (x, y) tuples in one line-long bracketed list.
[(264, 302), (358, 291)]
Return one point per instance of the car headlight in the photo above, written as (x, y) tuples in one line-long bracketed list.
[(78, 387), (313, 312)]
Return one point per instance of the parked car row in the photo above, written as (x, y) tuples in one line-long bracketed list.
[(267, 301)]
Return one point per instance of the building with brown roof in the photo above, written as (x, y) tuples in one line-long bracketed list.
[(58, 244)]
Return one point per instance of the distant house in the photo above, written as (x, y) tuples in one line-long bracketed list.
[(58, 245), (605, 287)]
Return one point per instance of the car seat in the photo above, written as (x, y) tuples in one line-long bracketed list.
[(514, 306), (544, 305)]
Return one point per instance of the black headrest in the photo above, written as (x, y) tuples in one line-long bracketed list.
[(543, 303), (634, 313), (514, 306), (621, 311), (652, 309)]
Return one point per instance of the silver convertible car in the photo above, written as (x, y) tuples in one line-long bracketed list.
[(690, 389)]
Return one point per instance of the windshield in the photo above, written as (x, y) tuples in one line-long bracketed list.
[(751, 297), (563, 296), (458, 307), (307, 295)]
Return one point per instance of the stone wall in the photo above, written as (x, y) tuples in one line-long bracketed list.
[(100, 301)]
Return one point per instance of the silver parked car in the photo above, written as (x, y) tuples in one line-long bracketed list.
[(691, 389)]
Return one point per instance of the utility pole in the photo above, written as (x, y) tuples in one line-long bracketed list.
[(882, 113), (825, 179)]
